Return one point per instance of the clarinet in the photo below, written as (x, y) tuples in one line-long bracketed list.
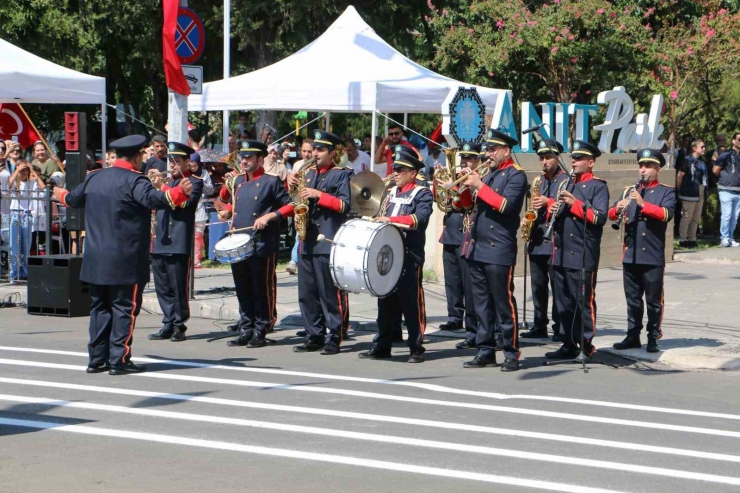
[(554, 216), (617, 225)]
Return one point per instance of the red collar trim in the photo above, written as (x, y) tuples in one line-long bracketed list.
[(505, 164), (324, 170), (120, 163), (407, 187), (584, 177), (651, 184), (257, 173)]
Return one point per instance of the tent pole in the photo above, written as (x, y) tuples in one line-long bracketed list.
[(405, 120), (373, 133), (227, 68), (327, 121), (104, 133)]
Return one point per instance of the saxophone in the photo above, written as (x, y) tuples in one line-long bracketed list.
[(300, 205), (444, 174), (531, 214)]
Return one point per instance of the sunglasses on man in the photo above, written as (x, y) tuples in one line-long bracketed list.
[(395, 133)]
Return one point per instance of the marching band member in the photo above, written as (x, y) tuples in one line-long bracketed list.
[(490, 248), (173, 235), (539, 250), (568, 246), (327, 192), (258, 201), (458, 289), (645, 211), (410, 204), (118, 203)]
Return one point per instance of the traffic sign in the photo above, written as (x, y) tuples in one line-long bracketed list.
[(190, 36), (194, 75)]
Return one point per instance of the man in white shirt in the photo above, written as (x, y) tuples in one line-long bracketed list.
[(357, 160), (434, 159)]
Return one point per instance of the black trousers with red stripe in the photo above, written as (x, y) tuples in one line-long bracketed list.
[(639, 281), (322, 304), (254, 279), (407, 299), (113, 315), (542, 281), (171, 275), (495, 307), (567, 290), (457, 288)]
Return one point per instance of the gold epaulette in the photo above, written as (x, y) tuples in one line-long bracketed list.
[(600, 179), (517, 167), (665, 185)]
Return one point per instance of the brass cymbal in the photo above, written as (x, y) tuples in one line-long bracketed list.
[(366, 190)]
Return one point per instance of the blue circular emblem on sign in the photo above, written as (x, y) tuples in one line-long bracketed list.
[(467, 117)]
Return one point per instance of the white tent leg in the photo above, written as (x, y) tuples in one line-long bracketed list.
[(327, 121), (406, 120), (373, 133), (104, 133)]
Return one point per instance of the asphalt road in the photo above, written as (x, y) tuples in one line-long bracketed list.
[(269, 420)]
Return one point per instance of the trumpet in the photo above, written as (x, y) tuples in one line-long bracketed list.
[(482, 169), (164, 175)]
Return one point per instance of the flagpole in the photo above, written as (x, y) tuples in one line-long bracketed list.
[(43, 140)]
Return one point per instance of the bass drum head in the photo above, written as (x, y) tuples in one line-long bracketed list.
[(384, 261)]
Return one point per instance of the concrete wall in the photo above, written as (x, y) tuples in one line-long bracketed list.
[(619, 171)]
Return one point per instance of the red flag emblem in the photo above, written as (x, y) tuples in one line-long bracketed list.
[(172, 69), (14, 122)]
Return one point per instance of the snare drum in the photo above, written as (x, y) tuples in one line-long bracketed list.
[(234, 248), (367, 257)]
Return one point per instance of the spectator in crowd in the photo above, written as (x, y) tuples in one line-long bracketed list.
[(14, 155), (691, 182), (367, 141), (243, 125), (720, 142), (195, 141), (385, 151), (274, 163), (159, 160), (357, 160), (42, 162), (232, 144), (5, 173), (727, 168), (25, 216), (110, 158), (435, 158), (61, 146)]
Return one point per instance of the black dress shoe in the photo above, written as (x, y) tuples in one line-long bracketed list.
[(257, 341), (510, 364), (161, 335), (416, 357), (534, 334), (127, 368), (178, 335), (301, 333), (466, 344), (242, 339), (652, 345), (375, 353), (480, 362), (451, 326), (628, 342), (308, 347), (233, 327), (565, 352), (329, 349), (98, 368)]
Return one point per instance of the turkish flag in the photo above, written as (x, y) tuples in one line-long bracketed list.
[(14, 122), (172, 68), (437, 136)]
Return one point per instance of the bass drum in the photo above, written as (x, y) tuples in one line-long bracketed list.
[(367, 257)]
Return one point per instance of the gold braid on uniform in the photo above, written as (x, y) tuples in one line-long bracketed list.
[(338, 153)]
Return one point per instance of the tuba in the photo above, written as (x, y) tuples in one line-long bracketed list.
[(300, 205), (531, 214), (445, 173)]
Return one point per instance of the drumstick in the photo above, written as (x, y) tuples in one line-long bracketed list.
[(398, 225), (241, 229)]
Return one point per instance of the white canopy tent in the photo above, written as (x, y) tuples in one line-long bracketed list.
[(349, 68), (27, 78)]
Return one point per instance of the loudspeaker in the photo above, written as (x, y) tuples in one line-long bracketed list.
[(54, 286), (75, 127)]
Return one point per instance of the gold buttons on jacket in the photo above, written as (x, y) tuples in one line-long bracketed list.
[(491, 227), (644, 234), (644, 249)]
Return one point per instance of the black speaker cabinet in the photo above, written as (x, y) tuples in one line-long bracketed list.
[(54, 286)]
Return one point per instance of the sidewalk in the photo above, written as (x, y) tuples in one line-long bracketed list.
[(701, 323)]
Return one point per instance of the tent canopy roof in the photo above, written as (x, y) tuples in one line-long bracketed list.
[(349, 68), (26, 78)]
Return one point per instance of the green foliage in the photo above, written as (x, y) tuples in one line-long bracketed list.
[(711, 214)]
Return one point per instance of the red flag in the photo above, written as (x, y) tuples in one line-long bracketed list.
[(15, 122), (437, 136), (172, 68)]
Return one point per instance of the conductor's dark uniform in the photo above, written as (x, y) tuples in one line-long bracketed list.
[(118, 203), (568, 246), (322, 304), (173, 237), (254, 277), (410, 206), (539, 250), (490, 249), (643, 257)]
